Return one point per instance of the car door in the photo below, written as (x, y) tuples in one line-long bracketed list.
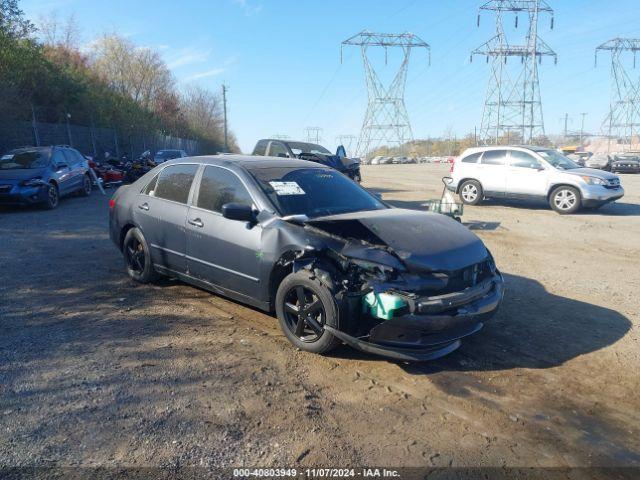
[(63, 172), (526, 175), (74, 160), (161, 213), (222, 251), (492, 172)]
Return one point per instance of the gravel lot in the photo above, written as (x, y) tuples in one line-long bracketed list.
[(98, 371)]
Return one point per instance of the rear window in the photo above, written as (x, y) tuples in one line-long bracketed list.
[(494, 157), (24, 160), (261, 148), (473, 158), (174, 183)]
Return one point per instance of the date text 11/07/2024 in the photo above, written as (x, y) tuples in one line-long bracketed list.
[(316, 473)]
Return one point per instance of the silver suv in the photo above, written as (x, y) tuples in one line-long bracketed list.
[(531, 172)]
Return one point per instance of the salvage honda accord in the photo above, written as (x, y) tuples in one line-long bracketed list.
[(333, 261)]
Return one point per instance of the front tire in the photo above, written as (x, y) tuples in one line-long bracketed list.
[(53, 197), (471, 192), (137, 257), (565, 200), (304, 306)]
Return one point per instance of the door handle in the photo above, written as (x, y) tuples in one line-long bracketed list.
[(144, 206), (196, 222)]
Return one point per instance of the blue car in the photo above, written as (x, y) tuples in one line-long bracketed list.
[(42, 175)]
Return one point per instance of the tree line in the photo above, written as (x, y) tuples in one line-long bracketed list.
[(113, 83)]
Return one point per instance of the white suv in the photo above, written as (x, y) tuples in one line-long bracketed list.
[(531, 172)]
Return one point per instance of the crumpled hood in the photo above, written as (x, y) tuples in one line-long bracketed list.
[(592, 172), (21, 174), (423, 241)]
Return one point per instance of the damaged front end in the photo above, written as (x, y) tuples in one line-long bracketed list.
[(397, 299)]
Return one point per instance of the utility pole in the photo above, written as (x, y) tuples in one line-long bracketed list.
[(624, 108), (584, 114), (566, 124), (513, 100), (386, 121), (224, 102)]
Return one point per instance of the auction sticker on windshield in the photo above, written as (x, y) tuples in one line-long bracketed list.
[(287, 188)]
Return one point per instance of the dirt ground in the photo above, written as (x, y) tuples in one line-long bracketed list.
[(96, 370)]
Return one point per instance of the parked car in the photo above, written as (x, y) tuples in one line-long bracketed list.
[(312, 152), (164, 155), (531, 172), (41, 175), (301, 239), (626, 163), (599, 161)]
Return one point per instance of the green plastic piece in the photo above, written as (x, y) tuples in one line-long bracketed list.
[(382, 305)]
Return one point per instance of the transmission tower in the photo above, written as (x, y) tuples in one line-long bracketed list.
[(280, 136), (347, 141), (386, 121), (313, 134), (513, 107), (623, 120)]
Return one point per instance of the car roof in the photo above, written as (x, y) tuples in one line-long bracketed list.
[(248, 162), (486, 148)]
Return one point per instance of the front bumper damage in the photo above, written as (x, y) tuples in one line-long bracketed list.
[(432, 326)]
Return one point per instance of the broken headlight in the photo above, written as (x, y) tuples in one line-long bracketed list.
[(380, 270)]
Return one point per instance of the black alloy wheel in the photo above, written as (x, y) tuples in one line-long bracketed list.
[(304, 314), (135, 256)]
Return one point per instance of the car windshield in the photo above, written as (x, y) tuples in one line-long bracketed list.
[(557, 160), (300, 147), (19, 160), (313, 192)]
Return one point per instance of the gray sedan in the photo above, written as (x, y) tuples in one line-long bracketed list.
[(333, 261)]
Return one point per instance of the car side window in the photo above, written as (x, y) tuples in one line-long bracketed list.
[(277, 150), (174, 183), (494, 157), (70, 158), (59, 158), (261, 148), (219, 186), (524, 160), (473, 158), (151, 187)]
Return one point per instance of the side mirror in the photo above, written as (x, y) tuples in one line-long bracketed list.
[(341, 152), (238, 211)]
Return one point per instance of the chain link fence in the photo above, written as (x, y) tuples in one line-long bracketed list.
[(93, 141)]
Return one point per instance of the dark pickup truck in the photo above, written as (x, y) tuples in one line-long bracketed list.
[(312, 152)]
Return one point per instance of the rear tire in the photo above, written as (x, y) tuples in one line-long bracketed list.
[(471, 192), (304, 306), (85, 191), (137, 257), (565, 200)]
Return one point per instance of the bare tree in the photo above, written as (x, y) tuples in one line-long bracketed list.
[(59, 33), (137, 72), (203, 111)]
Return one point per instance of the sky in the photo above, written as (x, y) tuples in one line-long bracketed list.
[(281, 58)]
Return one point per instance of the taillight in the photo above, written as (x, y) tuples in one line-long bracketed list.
[(112, 204)]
